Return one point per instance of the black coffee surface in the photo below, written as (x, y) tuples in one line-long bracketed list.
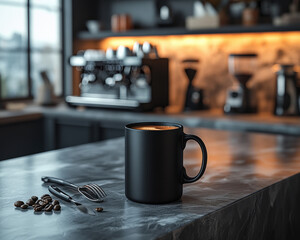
[(155, 127)]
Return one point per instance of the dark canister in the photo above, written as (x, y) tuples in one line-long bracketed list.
[(286, 97), (154, 171)]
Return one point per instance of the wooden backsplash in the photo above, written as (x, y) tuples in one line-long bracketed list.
[(212, 52)]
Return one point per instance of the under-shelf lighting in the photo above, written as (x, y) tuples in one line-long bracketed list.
[(212, 50)]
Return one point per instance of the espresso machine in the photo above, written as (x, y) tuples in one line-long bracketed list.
[(239, 97), (287, 99), (122, 79)]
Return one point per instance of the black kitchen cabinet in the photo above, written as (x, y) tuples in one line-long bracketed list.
[(61, 132), (69, 132), (110, 130), (24, 137), (21, 138)]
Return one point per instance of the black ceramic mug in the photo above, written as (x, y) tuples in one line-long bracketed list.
[(154, 171)]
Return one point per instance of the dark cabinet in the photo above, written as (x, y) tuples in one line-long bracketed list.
[(110, 130), (63, 132), (53, 132), (70, 133), (21, 138)]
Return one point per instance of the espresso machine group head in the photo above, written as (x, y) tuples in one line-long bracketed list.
[(120, 79)]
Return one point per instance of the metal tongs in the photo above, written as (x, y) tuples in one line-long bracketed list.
[(62, 195), (91, 191)]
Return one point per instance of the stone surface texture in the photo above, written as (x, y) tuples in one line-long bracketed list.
[(249, 191), (209, 119)]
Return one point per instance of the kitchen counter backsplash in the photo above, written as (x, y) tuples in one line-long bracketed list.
[(212, 52)]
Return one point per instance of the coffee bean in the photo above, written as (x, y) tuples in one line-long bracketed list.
[(49, 208), (48, 199), (56, 207), (55, 202), (45, 203), (24, 206), (30, 202), (42, 203), (18, 203), (45, 195), (34, 198), (99, 209), (38, 209)]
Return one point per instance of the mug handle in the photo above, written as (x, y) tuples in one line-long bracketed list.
[(186, 178)]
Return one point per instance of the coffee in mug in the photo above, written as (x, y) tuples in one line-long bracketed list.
[(154, 171), (154, 127)]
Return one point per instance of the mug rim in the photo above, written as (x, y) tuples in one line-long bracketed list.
[(130, 125)]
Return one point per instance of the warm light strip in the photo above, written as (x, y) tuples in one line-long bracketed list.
[(212, 51), (205, 39)]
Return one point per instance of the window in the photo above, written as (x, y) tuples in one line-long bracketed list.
[(30, 42)]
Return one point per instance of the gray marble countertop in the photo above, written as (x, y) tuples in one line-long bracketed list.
[(214, 119), (248, 176)]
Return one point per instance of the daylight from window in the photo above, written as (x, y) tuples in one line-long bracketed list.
[(20, 62)]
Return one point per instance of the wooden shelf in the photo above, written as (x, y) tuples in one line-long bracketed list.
[(183, 31)]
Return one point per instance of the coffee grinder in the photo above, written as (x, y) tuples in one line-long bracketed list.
[(239, 98), (194, 95), (287, 101)]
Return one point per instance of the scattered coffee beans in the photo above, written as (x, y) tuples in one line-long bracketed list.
[(24, 206), (18, 203), (47, 197), (49, 208), (99, 209), (38, 208), (57, 207), (42, 204), (34, 198), (30, 202)]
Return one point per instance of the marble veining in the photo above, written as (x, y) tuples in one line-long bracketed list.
[(249, 178)]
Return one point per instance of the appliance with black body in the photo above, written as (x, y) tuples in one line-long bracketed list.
[(194, 95), (240, 99), (130, 82), (287, 96), (2, 106), (154, 171)]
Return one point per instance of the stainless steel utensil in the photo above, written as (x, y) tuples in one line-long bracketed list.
[(62, 195), (92, 192)]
